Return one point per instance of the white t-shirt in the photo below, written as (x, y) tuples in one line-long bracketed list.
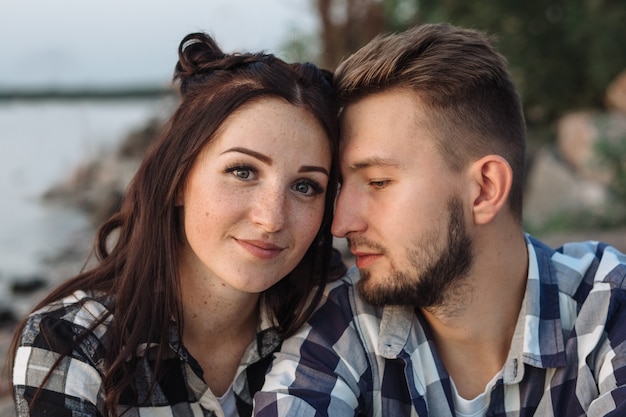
[(477, 406), (228, 403)]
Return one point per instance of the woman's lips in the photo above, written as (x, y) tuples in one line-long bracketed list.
[(261, 249)]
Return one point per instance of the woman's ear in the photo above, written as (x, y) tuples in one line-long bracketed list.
[(179, 198), (493, 176)]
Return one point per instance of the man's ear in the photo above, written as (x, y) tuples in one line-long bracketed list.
[(492, 176)]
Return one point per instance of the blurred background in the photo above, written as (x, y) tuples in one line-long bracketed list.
[(77, 78), (85, 84)]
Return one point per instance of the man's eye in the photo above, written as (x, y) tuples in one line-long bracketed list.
[(379, 184)]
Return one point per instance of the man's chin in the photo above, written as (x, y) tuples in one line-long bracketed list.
[(371, 291)]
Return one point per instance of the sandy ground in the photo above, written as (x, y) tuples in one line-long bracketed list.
[(6, 407)]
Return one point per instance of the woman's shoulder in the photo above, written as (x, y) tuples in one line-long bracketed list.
[(63, 343), (65, 318)]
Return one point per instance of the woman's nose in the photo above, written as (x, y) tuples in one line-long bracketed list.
[(269, 211)]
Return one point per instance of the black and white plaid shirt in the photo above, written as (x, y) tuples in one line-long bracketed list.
[(567, 358), (75, 386)]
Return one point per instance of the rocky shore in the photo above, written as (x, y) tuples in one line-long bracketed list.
[(95, 189)]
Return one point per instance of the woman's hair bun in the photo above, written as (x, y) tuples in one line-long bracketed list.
[(199, 57), (198, 54)]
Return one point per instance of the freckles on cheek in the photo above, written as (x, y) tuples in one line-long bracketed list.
[(313, 218)]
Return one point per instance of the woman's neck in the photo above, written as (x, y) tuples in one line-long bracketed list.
[(212, 311), (220, 322)]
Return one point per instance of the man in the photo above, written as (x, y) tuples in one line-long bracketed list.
[(454, 310)]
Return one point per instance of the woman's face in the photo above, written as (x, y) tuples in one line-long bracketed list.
[(254, 198)]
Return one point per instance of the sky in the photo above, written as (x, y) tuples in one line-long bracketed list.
[(76, 43)]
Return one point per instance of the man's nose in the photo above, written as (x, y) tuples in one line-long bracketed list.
[(348, 218)]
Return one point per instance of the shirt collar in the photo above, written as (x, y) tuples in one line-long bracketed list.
[(395, 327), (538, 338), (267, 340)]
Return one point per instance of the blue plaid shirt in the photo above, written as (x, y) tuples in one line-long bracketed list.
[(567, 357)]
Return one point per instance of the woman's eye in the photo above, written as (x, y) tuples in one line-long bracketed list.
[(303, 187), (307, 188), (241, 172)]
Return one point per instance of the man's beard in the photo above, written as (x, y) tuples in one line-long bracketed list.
[(437, 268)]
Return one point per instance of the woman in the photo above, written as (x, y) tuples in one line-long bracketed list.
[(212, 258)]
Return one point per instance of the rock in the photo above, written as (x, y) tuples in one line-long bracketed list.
[(97, 186), (576, 134), (28, 285), (7, 318), (138, 141), (7, 408), (616, 94), (579, 137), (554, 189)]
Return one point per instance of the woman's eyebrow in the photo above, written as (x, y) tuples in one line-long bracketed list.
[(266, 159), (313, 168), (254, 154)]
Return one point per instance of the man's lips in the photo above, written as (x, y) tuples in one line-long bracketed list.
[(365, 259), (260, 249)]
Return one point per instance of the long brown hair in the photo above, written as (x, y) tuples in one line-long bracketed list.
[(138, 247)]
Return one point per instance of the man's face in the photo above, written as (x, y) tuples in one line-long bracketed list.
[(400, 206)]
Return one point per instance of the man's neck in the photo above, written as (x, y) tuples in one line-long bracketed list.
[(473, 340)]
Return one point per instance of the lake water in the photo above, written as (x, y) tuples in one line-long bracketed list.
[(41, 144)]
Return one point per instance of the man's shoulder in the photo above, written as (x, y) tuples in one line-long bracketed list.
[(592, 261), (598, 261)]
